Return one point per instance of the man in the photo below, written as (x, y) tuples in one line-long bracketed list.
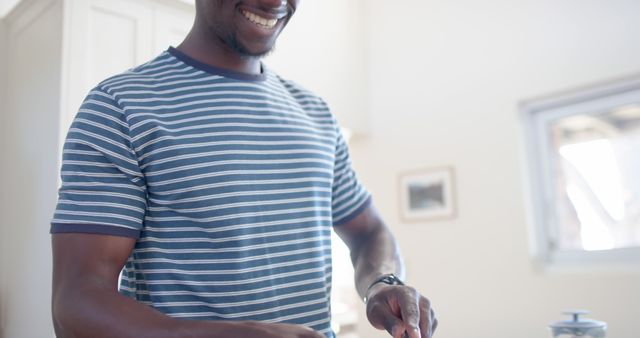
[(216, 184)]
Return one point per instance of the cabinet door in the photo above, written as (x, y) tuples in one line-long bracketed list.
[(171, 24), (104, 38)]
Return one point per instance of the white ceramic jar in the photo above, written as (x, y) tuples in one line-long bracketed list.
[(578, 327)]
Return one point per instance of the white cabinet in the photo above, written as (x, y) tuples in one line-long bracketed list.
[(102, 38), (95, 39), (52, 52), (106, 37)]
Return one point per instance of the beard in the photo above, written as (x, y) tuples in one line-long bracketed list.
[(235, 45)]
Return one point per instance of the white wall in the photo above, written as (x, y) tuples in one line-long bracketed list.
[(29, 173), (322, 49), (446, 79)]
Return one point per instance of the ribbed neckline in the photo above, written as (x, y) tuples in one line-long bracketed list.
[(216, 70)]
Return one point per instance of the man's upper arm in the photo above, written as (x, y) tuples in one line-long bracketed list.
[(84, 265), (103, 189), (88, 259), (358, 228)]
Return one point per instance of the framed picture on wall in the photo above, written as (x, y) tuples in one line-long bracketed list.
[(427, 194)]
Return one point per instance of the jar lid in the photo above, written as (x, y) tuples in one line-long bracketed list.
[(578, 323)]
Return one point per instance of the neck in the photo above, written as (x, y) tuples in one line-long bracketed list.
[(214, 52)]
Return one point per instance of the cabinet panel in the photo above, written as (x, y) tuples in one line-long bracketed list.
[(110, 50), (117, 36), (105, 37)]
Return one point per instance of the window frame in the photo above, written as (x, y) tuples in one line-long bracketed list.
[(539, 164)]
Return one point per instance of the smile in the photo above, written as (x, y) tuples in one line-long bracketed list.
[(260, 21)]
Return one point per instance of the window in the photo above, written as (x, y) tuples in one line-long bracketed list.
[(583, 161)]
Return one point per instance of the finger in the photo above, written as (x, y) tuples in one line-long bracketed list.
[(315, 334), (426, 318), (413, 333), (434, 323), (410, 310), (404, 333), (430, 326), (382, 318)]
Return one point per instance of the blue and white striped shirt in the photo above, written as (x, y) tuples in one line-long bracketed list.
[(230, 182)]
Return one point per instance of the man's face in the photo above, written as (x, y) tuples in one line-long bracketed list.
[(249, 27)]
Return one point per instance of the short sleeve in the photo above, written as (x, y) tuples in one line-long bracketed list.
[(349, 197), (103, 190)]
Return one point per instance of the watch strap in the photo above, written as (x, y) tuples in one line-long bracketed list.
[(389, 279)]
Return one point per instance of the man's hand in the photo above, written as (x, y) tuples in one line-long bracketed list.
[(374, 252), (399, 309)]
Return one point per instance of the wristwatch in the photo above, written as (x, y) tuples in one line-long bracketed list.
[(389, 279)]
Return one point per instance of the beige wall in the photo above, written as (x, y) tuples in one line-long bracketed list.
[(29, 173), (323, 50), (3, 197), (446, 79)]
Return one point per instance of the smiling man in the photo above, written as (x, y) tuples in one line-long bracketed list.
[(216, 185)]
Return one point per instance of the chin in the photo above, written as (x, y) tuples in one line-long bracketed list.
[(252, 53), (253, 50)]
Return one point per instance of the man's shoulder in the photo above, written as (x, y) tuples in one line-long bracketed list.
[(303, 95), (149, 74)]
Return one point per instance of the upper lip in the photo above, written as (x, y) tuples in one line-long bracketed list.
[(269, 15)]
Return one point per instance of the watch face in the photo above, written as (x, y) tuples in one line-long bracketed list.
[(392, 280)]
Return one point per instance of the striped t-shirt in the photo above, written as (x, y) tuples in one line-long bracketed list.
[(230, 182)]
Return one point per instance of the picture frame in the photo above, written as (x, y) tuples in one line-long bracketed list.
[(427, 194)]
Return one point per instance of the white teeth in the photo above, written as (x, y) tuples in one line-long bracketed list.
[(268, 23)]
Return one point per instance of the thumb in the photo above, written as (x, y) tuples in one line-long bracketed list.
[(382, 318)]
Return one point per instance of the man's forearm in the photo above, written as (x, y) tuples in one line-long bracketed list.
[(376, 255), (399, 309), (86, 312), (82, 314)]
